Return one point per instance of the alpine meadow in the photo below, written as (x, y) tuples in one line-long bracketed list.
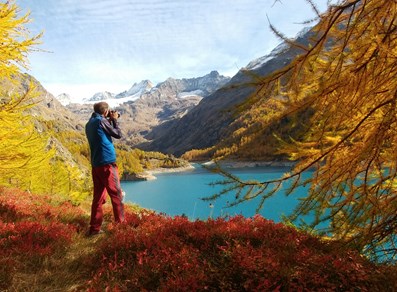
[(332, 110)]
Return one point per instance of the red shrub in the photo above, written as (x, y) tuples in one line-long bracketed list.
[(32, 238), (32, 228), (155, 252), (16, 205)]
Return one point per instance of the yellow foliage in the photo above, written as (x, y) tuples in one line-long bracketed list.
[(341, 113), (28, 159), (15, 41), (18, 141), (22, 149)]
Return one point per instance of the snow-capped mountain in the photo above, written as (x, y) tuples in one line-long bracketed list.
[(201, 86), (282, 48), (136, 90), (260, 62), (175, 88), (64, 99), (212, 122), (145, 106), (99, 96)]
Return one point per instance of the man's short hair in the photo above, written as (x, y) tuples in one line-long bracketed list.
[(101, 107)]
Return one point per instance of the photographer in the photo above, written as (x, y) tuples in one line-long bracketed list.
[(100, 129)]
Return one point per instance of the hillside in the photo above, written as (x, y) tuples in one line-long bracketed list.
[(65, 145), (145, 106), (43, 248), (215, 120)]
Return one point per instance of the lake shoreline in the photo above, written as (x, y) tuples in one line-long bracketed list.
[(181, 193), (148, 175), (169, 170), (249, 164)]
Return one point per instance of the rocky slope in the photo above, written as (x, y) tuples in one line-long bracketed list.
[(46, 108), (209, 122), (49, 116), (145, 106)]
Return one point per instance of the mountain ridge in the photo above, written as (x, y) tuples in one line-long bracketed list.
[(150, 106), (214, 119), (200, 86), (179, 115)]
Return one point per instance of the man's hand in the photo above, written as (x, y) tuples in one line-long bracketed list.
[(114, 115)]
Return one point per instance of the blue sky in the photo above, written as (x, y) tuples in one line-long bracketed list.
[(98, 45)]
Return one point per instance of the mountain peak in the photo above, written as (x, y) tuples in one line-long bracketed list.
[(171, 87), (100, 96), (136, 90), (64, 99), (143, 85), (214, 74)]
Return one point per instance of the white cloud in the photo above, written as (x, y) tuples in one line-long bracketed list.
[(115, 43)]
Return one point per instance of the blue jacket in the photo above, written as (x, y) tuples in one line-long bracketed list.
[(99, 133)]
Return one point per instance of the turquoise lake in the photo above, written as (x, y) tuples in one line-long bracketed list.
[(180, 194)]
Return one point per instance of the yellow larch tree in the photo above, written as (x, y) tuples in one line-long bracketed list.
[(22, 149), (345, 85), (15, 41)]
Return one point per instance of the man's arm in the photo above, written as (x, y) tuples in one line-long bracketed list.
[(111, 128)]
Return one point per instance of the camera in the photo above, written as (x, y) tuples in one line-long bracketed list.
[(111, 112)]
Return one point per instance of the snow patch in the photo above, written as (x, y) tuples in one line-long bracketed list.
[(64, 99), (114, 102), (99, 96), (258, 63), (282, 47), (190, 93), (137, 89)]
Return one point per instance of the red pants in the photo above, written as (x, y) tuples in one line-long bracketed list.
[(106, 179)]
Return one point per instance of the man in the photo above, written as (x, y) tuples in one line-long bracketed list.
[(100, 129)]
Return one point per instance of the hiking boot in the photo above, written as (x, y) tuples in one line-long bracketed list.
[(93, 233)]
